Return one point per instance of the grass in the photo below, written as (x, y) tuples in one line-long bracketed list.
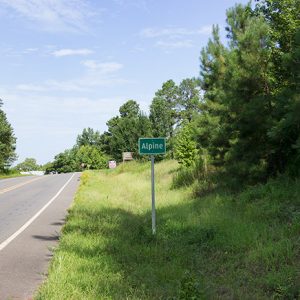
[(219, 246), (10, 175)]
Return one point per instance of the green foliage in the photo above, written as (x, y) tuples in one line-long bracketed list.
[(29, 164), (7, 142), (77, 159), (129, 109), (190, 288), (171, 106), (11, 173), (250, 120), (247, 97), (188, 105), (65, 162), (91, 157), (163, 115), (125, 130), (185, 147), (212, 123), (186, 176), (89, 137)]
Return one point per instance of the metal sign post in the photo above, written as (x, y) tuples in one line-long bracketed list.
[(152, 146), (153, 196)]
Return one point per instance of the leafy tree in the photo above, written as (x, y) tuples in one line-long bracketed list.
[(125, 130), (283, 18), (47, 167), (65, 162), (89, 137), (91, 157), (188, 105), (129, 109), (78, 158), (163, 115), (29, 164), (160, 117), (7, 141)]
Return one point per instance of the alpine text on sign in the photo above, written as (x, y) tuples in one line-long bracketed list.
[(152, 146)]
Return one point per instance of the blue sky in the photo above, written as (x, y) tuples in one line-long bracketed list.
[(70, 64)]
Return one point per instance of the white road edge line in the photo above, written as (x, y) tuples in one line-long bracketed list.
[(19, 231)]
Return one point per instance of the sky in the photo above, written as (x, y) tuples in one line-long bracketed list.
[(70, 64)]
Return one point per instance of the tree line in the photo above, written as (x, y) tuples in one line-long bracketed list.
[(240, 117), (171, 106)]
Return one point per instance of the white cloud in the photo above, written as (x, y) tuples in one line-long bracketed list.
[(30, 87), (69, 52), (174, 44), (172, 32), (104, 68), (53, 15)]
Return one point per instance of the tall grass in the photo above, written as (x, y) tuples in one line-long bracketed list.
[(219, 246), (11, 174)]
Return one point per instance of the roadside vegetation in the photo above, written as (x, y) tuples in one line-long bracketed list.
[(7, 142), (222, 245), (10, 174), (228, 210)]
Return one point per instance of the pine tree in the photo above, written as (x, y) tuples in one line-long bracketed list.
[(185, 145), (212, 124)]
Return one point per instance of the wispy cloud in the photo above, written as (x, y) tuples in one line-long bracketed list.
[(84, 84), (53, 15), (31, 87), (172, 32), (96, 74), (170, 38), (30, 50), (70, 52), (174, 44), (104, 68), (140, 4)]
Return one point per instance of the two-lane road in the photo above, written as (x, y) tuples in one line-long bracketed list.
[(32, 211)]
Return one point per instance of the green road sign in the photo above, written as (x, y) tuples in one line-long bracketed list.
[(152, 146)]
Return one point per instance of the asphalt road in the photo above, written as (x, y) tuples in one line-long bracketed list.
[(32, 211)]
